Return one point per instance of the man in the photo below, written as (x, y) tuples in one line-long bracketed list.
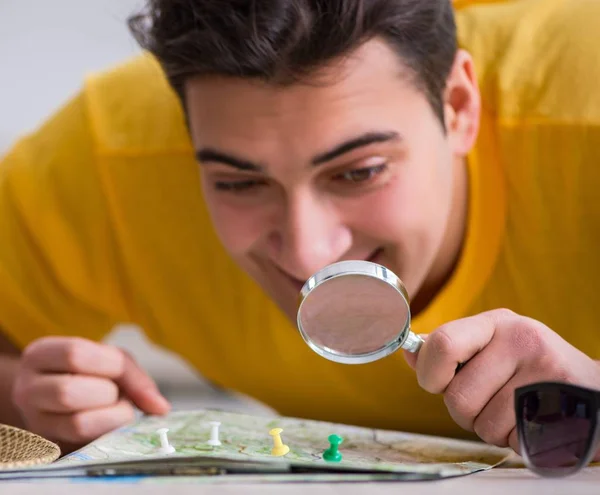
[(322, 131)]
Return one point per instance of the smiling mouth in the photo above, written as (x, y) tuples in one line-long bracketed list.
[(298, 284)]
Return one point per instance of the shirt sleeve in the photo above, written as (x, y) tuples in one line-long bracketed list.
[(58, 256)]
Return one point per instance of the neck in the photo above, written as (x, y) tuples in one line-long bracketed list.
[(452, 243)]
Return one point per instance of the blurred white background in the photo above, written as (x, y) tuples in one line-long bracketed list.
[(46, 49)]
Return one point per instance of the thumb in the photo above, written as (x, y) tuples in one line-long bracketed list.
[(412, 357), (137, 386)]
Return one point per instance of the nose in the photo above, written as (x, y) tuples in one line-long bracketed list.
[(309, 235)]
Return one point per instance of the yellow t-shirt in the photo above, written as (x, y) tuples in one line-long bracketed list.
[(102, 221)]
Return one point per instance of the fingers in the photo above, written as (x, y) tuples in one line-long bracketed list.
[(502, 351), (411, 357), (73, 355), (93, 373), (513, 440), (454, 343), (141, 389), (70, 393), (497, 420), (478, 382), (74, 390), (83, 426)]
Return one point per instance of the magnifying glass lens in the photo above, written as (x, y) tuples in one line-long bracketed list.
[(355, 312), (353, 315)]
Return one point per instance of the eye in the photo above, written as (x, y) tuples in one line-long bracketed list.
[(237, 186), (364, 174)]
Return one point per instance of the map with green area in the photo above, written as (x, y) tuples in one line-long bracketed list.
[(246, 446)]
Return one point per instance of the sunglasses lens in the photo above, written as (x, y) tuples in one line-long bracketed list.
[(557, 427)]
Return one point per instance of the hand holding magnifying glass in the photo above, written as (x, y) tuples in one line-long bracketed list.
[(355, 312)]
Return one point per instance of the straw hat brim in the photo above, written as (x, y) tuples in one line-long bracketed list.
[(20, 448)]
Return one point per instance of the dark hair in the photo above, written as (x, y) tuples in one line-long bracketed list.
[(281, 41)]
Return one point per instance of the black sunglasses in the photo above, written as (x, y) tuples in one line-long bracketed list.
[(557, 424)]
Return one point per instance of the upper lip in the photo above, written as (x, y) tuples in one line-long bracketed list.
[(299, 283)]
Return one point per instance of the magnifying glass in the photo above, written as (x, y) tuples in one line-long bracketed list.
[(356, 312)]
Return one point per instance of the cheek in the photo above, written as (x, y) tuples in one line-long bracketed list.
[(411, 210), (385, 214), (237, 228), (429, 191), (395, 214)]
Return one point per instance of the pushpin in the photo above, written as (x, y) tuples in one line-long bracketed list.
[(214, 433), (332, 454), (165, 447), (279, 449)]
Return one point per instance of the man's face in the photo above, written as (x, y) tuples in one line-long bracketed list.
[(354, 166)]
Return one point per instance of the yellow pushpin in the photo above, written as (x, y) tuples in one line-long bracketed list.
[(279, 449)]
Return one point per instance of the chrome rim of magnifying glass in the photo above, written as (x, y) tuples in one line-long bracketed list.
[(407, 339)]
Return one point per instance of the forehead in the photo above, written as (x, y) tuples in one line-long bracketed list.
[(341, 98)]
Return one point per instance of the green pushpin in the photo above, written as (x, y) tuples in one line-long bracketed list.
[(332, 454)]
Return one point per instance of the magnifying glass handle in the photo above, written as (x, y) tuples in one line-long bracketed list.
[(413, 342)]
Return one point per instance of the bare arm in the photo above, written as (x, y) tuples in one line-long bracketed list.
[(9, 362)]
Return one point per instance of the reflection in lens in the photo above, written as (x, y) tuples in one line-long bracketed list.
[(556, 428), (353, 315)]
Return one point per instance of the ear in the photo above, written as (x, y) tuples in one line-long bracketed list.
[(462, 104)]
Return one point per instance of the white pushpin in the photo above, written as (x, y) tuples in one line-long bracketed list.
[(165, 446), (214, 433)]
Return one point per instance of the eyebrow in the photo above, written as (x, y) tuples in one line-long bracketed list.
[(355, 143), (208, 155)]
